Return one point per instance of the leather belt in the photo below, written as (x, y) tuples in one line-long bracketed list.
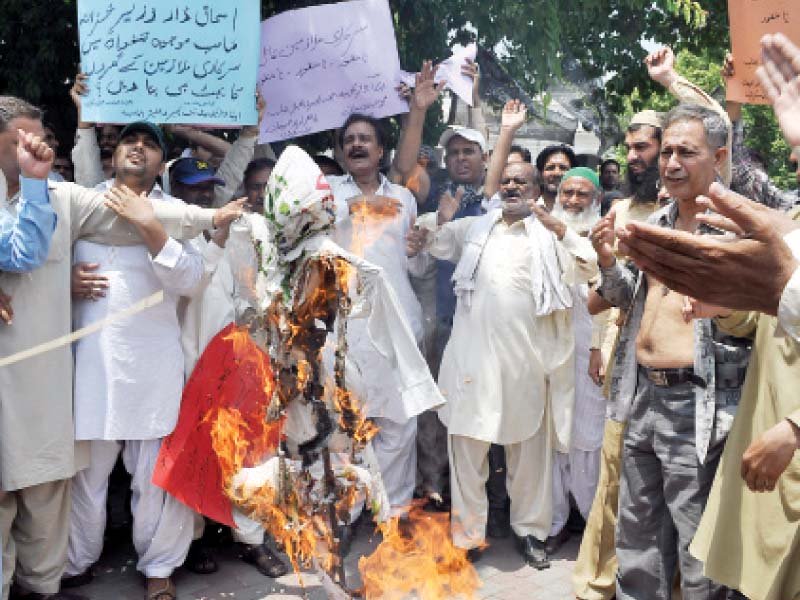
[(672, 377)]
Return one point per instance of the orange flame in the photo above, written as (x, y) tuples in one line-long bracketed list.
[(417, 556), (370, 217)]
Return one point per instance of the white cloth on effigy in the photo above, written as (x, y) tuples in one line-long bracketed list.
[(381, 240)]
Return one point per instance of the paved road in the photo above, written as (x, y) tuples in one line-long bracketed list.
[(503, 573)]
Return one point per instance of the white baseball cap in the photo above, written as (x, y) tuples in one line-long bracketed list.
[(465, 132)]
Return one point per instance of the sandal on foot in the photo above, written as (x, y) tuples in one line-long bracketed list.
[(200, 560), (263, 559), (160, 588)]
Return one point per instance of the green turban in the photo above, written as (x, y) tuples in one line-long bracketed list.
[(584, 172)]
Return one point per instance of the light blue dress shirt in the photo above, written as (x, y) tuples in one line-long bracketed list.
[(25, 237)]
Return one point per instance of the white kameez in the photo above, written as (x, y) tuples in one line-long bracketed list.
[(494, 372), (382, 243), (577, 471), (128, 385), (507, 372)]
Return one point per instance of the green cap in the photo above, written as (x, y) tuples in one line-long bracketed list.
[(584, 172), (151, 129)]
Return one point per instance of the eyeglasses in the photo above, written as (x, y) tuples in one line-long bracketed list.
[(517, 180)]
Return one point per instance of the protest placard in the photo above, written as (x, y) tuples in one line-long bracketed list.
[(322, 63), (750, 20), (170, 61)]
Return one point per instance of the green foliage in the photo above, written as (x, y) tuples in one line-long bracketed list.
[(39, 54), (761, 127)]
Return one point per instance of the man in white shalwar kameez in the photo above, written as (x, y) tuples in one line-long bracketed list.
[(129, 376), (38, 454), (372, 227), (510, 355), (576, 468)]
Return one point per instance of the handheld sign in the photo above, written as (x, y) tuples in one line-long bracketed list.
[(322, 63), (750, 20), (169, 61)]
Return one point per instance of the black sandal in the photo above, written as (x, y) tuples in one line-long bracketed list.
[(200, 560), (264, 559)]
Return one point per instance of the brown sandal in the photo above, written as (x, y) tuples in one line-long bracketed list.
[(160, 588)]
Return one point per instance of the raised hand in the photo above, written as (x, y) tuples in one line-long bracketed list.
[(449, 205), (780, 77), (661, 66), (261, 107), (603, 237), (229, 213), (514, 115), (748, 273), (34, 156), (471, 69), (426, 90)]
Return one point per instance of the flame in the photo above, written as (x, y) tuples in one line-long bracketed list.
[(370, 217), (417, 557)]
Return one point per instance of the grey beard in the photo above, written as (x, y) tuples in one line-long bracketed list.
[(580, 223)]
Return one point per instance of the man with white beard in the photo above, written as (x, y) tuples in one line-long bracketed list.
[(507, 371), (576, 470)]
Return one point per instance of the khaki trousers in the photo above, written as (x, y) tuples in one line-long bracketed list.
[(34, 529), (595, 573), (529, 479)]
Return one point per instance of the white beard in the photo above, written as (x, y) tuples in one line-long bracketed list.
[(581, 222)]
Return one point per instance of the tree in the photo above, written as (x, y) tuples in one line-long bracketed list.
[(38, 41), (703, 69)]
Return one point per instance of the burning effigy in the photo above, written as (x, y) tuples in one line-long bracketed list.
[(305, 467)]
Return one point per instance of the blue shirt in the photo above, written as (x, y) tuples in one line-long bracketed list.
[(25, 237)]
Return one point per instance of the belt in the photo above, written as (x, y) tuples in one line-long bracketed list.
[(672, 377)]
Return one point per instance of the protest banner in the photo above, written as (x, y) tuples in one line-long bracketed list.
[(322, 63), (750, 20), (170, 62)]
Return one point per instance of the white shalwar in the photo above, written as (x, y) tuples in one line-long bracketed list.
[(381, 241), (213, 306), (497, 368), (577, 471), (128, 385)]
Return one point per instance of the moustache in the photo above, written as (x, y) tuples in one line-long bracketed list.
[(358, 153)]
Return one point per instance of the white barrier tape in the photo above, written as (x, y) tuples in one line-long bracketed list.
[(144, 304)]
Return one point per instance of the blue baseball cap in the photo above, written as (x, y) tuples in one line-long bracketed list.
[(191, 171)]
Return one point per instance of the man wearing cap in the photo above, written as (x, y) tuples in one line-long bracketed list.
[(129, 376), (552, 163), (38, 453), (511, 282), (576, 465)]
